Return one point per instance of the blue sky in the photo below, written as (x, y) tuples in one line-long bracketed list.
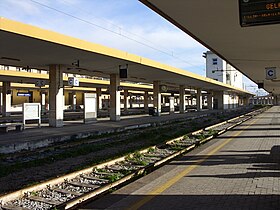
[(123, 24)]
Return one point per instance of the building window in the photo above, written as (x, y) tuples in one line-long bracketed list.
[(214, 61), (228, 79)]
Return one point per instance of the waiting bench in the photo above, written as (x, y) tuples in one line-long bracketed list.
[(5, 127)]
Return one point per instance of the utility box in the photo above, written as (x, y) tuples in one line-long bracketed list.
[(31, 111), (90, 107)]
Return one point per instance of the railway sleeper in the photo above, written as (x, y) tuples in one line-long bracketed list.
[(151, 159), (94, 178), (79, 184), (181, 144), (43, 200), (27, 204), (130, 166), (12, 207), (104, 173), (155, 155), (68, 192)]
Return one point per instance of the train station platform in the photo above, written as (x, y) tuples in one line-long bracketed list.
[(237, 170), (34, 137)]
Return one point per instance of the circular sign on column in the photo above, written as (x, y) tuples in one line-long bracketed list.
[(270, 73)]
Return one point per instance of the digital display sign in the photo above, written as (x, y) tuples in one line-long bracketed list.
[(259, 12)]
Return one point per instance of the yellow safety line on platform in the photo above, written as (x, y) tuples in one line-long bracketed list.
[(176, 178)]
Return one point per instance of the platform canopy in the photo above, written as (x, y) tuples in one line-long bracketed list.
[(216, 25), (28, 46)]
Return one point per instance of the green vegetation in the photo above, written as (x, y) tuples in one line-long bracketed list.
[(205, 134), (212, 132), (176, 147), (151, 150), (137, 159), (33, 193), (114, 177)]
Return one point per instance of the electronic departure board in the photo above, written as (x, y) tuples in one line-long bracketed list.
[(259, 12)]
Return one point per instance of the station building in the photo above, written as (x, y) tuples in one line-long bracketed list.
[(220, 70)]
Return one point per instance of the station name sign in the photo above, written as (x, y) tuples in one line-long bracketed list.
[(259, 12), (28, 94)]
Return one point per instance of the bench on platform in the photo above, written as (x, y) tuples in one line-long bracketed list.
[(5, 127)]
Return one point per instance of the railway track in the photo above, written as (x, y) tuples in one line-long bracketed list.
[(71, 190)]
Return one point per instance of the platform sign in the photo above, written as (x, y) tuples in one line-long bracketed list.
[(40, 83), (259, 12), (25, 94), (73, 82), (270, 73), (31, 111), (90, 107)]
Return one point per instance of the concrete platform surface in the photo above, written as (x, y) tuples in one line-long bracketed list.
[(237, 170)]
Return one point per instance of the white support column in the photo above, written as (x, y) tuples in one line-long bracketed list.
[(115, 96), (74, 101), (198, 99), (171, 105), (239, 101), (43, 101), (56, 99), (247, 100), (210, 100), (233, 99), (98, 99), (1, 101), (157, 98), (146, 101), (163, 100), (182, 102), (175, 100), (7, 99), (219, 97), (125, 100)]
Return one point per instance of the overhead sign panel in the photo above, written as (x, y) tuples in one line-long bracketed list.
[(73, 81), (259, 12)]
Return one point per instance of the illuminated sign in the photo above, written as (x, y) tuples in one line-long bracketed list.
[(28, 94), (259, 12)]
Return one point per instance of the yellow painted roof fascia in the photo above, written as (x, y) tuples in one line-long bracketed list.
[(83, 80), (47, 35), (23, 74)]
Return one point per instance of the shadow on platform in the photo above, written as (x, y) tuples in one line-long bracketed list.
[(185, 202), (262, 165)]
